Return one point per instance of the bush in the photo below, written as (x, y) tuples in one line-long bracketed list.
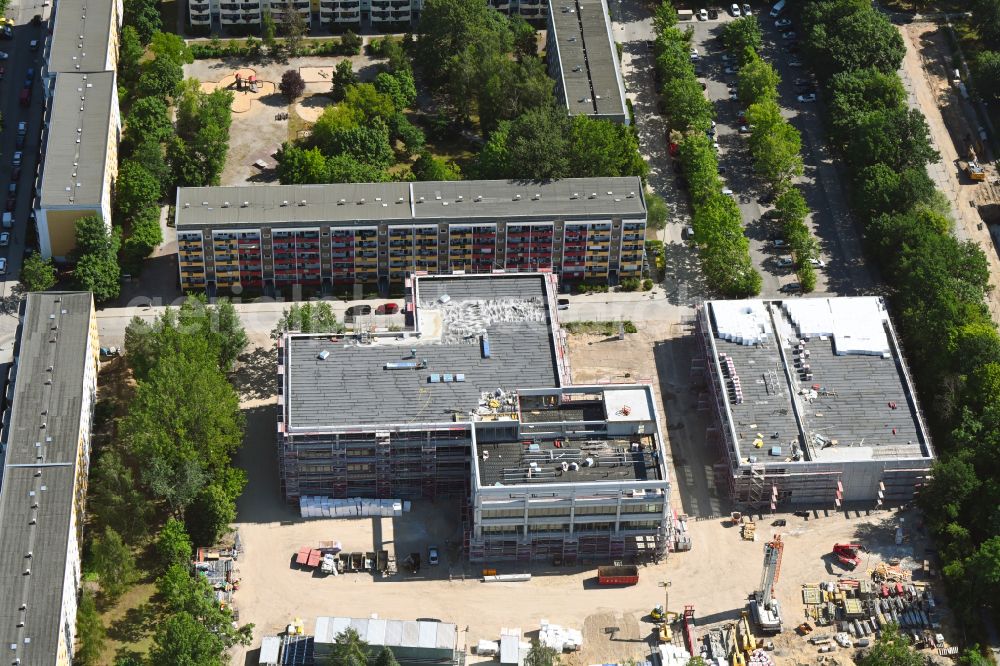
[(647, 285), (351, 43), (630, 284)]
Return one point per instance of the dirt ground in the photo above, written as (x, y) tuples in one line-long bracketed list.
[(925, 74), (257, 131)]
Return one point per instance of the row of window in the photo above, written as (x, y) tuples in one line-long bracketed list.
[(580, 510)]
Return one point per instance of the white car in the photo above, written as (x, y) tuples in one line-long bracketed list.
[(22, 128), (702, 14), (806, 99), (794, 63), (715, 145), (728, 192), (3, 266), (778, 242), (4, 238), (790, 35), (733, 97), (782, 23), (746, 9), (785, 261), (432, 556), (694, 54), (745, 129), (734, 9), (4, 55), (17, 158), (817, 263)]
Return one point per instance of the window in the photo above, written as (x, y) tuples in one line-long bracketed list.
[(595, 510), (551, 511), (502, 513), (359, 467)]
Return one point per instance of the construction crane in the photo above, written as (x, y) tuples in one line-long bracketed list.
[(764, 607)]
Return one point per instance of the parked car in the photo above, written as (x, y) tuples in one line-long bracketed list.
[(791, 288), (806, 99), (734, 9), (727, 191), (731, 70), (713, 13), (784, 261), (33, 45), (15, 173), (7, 33), (357, 311), (19, 142), (745, 129), (387, 308), (818, 263), (746, 9), (432, 556), (790, 35), (563, 304), (12, 188), (22, 128), (2, 72), (791, 48), (778, 242), (694, 54), (727, 58), (687, 233), (17, 158), (802, 82), (4, 55), (702, 14), (794, 63), (782, 23), (4, 238), (3, 266), (11, 203)]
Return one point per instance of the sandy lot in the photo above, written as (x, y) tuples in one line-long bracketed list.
[(715, 577)]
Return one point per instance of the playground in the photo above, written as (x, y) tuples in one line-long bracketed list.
[(246, 86)]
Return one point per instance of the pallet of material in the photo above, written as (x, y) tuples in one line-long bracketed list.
[(810, 595)]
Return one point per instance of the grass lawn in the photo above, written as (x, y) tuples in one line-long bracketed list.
[(130, 622)]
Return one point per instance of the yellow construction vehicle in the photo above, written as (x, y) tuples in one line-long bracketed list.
[(973, 169), (738, 659), (665, 633)]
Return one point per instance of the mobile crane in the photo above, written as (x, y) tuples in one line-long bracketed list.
[(764, 608)]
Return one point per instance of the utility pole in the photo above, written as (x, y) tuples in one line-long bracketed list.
[(665, 584)]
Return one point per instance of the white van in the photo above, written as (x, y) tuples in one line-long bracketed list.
[(779, 7), (8, 221), (685, 15)]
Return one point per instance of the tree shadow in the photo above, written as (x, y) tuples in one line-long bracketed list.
[(132, 627), (255, 377)]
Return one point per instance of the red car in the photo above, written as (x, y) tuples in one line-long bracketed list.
[(388, 308), (11, 203)]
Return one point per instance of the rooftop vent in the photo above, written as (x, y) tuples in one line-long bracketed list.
[(302, 203), (593, 195), (399, 200), (341, 202), (225, 204), (479, 197), (517, 197), (284, 203), (246, 204), (323, 355), (575, 195), (537, 196)]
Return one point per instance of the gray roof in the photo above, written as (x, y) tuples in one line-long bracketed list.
[(851, 416), (74, 161), (485, 200), (588, 57), (58, 406), (81, 36), (353, 387), (508, 463)]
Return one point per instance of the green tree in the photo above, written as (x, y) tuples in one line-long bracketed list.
[(428, 167), (891, 648), (159, 77), (986, 16), (90, 631), (600, 148), (777, 156), (758, 81), (412, 136), (148, 119), (211, 514), (145, 234), (294, 27), (742, 34), (301, 165), (349, 650), (656, 211), (92, 236), (858, 39), (664, 17), (116, 500), (512, 87), (151, 156), (368, 144), (38, 274), (182, 640), (169, 45), (143, 16), (370, 103), (197, 153), (292, 85), (97, 258), (130, 52), (385, 657), (136, 190), (986, 74), (267, 29), (348, 169), (309, 317), (351, 43), (540, 655), (342, 78), (113, 562), (173, 545)]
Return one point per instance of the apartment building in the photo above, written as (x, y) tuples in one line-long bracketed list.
[(835, 416), (79, 159), (583, 60), (474, 403), (80, 162), (322, 236), (46, 449)]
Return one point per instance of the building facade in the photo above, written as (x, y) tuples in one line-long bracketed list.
[(583, 60), (836, 419), (474, 403), (325, 236), (79, 159), (46, 449)]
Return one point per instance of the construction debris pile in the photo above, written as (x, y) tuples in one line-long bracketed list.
[(859, 609), (682, 540), (468, 319), (219, 568), (735, 644)]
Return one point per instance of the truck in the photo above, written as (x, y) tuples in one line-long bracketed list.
[(618, 575), (973, 170), (685, 15)]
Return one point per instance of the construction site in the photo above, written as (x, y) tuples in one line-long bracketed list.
[(813, 404), (474, 402)]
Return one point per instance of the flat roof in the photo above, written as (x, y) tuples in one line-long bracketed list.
[(40, 467), (568, 460), (588, 57), (378, 632), (76, 143), (370, 203), (81, 36), (353, 385), (817, 379)]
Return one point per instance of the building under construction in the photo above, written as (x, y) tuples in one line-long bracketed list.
[(480, 375), (814, 402)]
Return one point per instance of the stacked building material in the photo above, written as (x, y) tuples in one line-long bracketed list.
[(672, 655), (317, 506), (559, 638)]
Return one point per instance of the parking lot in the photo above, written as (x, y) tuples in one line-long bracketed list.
[(844, 271)]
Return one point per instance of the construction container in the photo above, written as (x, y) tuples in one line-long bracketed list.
[(618, 575)]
